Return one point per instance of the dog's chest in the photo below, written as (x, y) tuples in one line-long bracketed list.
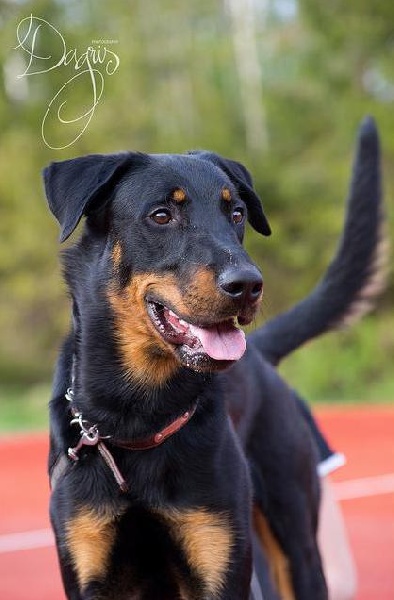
[(163, 553)]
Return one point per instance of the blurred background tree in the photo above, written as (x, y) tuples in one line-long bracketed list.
[(280, 85)]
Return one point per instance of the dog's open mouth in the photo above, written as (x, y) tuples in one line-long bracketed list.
[(222, 341)]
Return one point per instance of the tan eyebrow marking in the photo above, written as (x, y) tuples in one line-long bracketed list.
[(178, 195), (226, 195)]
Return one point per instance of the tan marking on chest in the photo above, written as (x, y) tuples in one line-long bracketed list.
[(277, 560), (90, 538), (206, 540)]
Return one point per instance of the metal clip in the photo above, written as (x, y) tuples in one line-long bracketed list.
[(69, 395), (83, 423), (89, 437)]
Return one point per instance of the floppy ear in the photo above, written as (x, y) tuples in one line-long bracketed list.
[(242, 180), (77, 186)]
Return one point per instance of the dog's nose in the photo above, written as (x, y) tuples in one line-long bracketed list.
[(242, 284)]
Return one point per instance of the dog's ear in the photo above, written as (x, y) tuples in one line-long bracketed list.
[(242, 180), (78, 186)]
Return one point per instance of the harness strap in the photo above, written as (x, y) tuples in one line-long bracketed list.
[(58, 470), (109, 459)]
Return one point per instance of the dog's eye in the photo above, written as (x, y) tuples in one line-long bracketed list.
[(162, 216), (238, 215)]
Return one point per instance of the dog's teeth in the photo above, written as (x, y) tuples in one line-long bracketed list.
[(172, 314), (183, 323)]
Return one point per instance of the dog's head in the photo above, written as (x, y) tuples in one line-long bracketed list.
[(162, 250)]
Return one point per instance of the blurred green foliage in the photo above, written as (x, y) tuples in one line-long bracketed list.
[(312, 70)]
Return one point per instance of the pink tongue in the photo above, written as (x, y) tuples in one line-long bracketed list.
[(221, 342)]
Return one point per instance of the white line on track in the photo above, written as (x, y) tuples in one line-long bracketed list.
[(363, 487), (26, 540), (344, 490)]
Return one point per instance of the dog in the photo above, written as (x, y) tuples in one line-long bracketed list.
[(180, 465)]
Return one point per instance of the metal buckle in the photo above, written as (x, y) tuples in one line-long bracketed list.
[(69, 395), (89, 437), (89, 433)]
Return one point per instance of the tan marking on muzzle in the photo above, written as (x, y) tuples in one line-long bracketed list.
[(204, 298), (146, 357)]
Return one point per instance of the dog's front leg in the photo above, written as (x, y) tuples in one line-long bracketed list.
[(84, 543), (217, 556)]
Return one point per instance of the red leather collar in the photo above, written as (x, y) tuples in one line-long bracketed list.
[(157, 438), (90, 436)]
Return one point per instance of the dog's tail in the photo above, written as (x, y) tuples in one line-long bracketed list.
[(356, 275)]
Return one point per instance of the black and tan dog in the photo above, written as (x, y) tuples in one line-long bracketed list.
[(152, 494)]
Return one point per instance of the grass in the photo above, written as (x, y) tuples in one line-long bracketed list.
[(24, 408), (354, 366)]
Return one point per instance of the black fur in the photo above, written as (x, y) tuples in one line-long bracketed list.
[(205, 468)]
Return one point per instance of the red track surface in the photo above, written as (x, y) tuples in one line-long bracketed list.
[(365, 435)]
